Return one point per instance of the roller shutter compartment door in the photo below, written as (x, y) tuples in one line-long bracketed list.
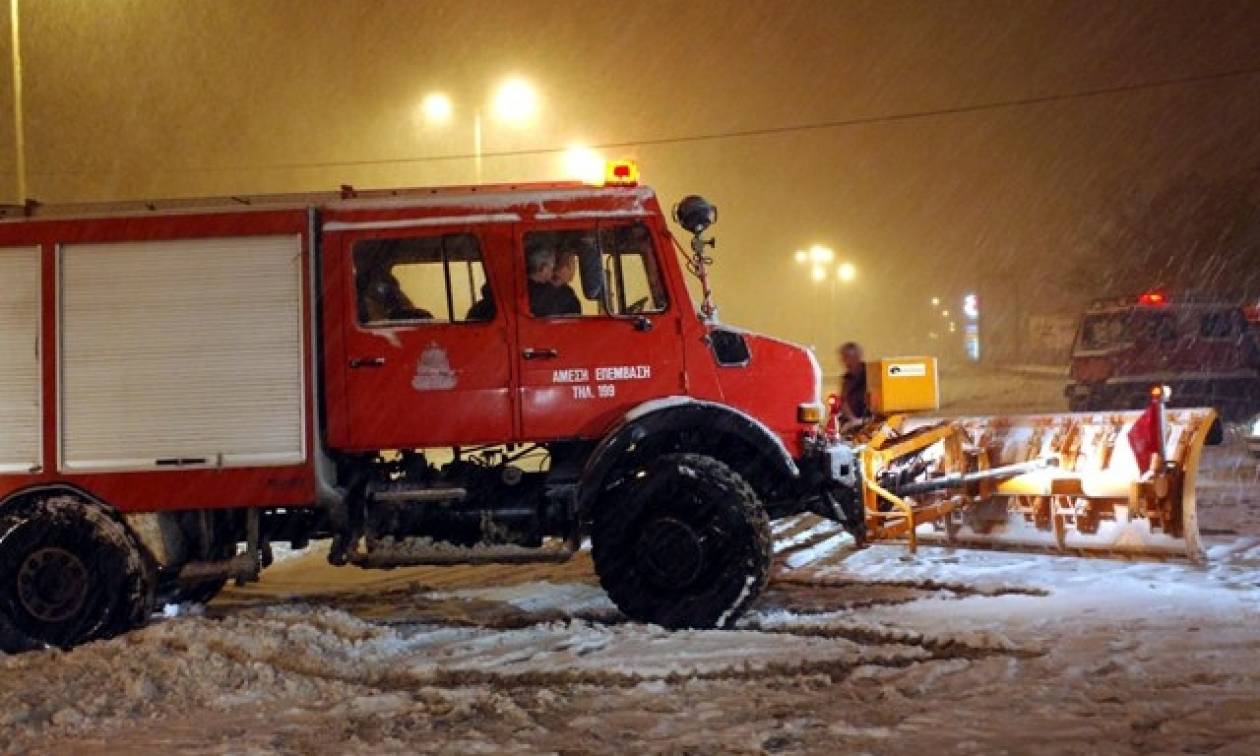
[(19, 359), (178, 353)]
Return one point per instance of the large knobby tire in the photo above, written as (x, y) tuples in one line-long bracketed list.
[(70, 572), (682, 543)]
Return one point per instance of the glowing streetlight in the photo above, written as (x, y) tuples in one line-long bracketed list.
[(971, 307), (584, 164), (819, 254), (819, 273), (936, 301), (801, 256), (515, 102), (944, 313), (846, 272), (436, 109)]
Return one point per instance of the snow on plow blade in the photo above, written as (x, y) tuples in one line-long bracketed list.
[(1070, 483)]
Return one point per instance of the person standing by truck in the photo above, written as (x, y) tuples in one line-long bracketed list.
[(853, 403)]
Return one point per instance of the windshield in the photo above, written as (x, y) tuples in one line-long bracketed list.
[(1118, 329)]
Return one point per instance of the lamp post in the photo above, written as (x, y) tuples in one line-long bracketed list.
[(514, 102), (19, 128), (820, 259)]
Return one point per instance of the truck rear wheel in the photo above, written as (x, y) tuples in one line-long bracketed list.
[(683, 543), (69, 573)]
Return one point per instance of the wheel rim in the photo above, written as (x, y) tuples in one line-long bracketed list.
[(52, 584), (671, 552)]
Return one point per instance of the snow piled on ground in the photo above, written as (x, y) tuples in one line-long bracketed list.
[(866, 651), (183, 665)]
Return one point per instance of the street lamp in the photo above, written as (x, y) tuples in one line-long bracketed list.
[(513, 103), (437, 109), (821, 262), (584, 164), (19, 119)]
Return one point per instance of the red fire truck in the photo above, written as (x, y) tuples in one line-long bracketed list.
[(1201, 346), (187, 382)]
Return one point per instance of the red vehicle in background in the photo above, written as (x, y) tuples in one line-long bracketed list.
[(1204, 348)]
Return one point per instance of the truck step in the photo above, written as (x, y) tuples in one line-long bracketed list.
[(242, 567), (424, 551), (420, 495)]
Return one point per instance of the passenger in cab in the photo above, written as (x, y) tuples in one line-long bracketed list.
[(382, 299), (540, 267), (566, 300), (482, 309)]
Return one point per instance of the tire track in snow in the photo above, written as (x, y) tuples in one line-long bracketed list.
[(924, 584), (942, 647)]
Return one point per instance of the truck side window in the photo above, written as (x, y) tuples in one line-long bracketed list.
[(1156, 328), (610, 270), (434, 279), (632, 278), (1104, 331), (1217, 325)]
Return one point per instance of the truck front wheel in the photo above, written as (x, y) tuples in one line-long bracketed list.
[(682, 543), (69, 573)]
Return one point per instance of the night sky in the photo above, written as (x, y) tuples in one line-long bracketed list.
[(131, 99)]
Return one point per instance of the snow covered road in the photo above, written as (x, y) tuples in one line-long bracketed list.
[(872, 651)]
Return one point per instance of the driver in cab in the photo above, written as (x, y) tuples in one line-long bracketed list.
[(549, 274)]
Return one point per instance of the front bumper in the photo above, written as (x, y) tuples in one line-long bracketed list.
[(830, 484), (828, 462), (841, 464)]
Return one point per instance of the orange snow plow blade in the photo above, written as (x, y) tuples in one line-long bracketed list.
[(1065, 482)]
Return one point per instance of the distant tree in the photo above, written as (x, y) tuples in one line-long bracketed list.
[(1195, 233)]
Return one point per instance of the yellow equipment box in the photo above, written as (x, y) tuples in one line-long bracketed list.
[(902, 384)]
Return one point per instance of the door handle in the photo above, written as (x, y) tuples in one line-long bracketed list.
[(530, 353), (642, 324), (367, 362)]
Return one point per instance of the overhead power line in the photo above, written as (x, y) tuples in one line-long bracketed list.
[(747, 133)]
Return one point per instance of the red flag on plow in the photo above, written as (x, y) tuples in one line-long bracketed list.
[(1146, 437)]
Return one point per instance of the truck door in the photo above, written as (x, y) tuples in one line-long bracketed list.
[(424, 357), (609, 343)]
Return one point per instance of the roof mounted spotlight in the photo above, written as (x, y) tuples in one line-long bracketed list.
[(695, 214)]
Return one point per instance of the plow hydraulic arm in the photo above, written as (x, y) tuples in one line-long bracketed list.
[(962, 480)]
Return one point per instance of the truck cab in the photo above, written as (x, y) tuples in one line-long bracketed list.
[(471, 359), (1202, 347)]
